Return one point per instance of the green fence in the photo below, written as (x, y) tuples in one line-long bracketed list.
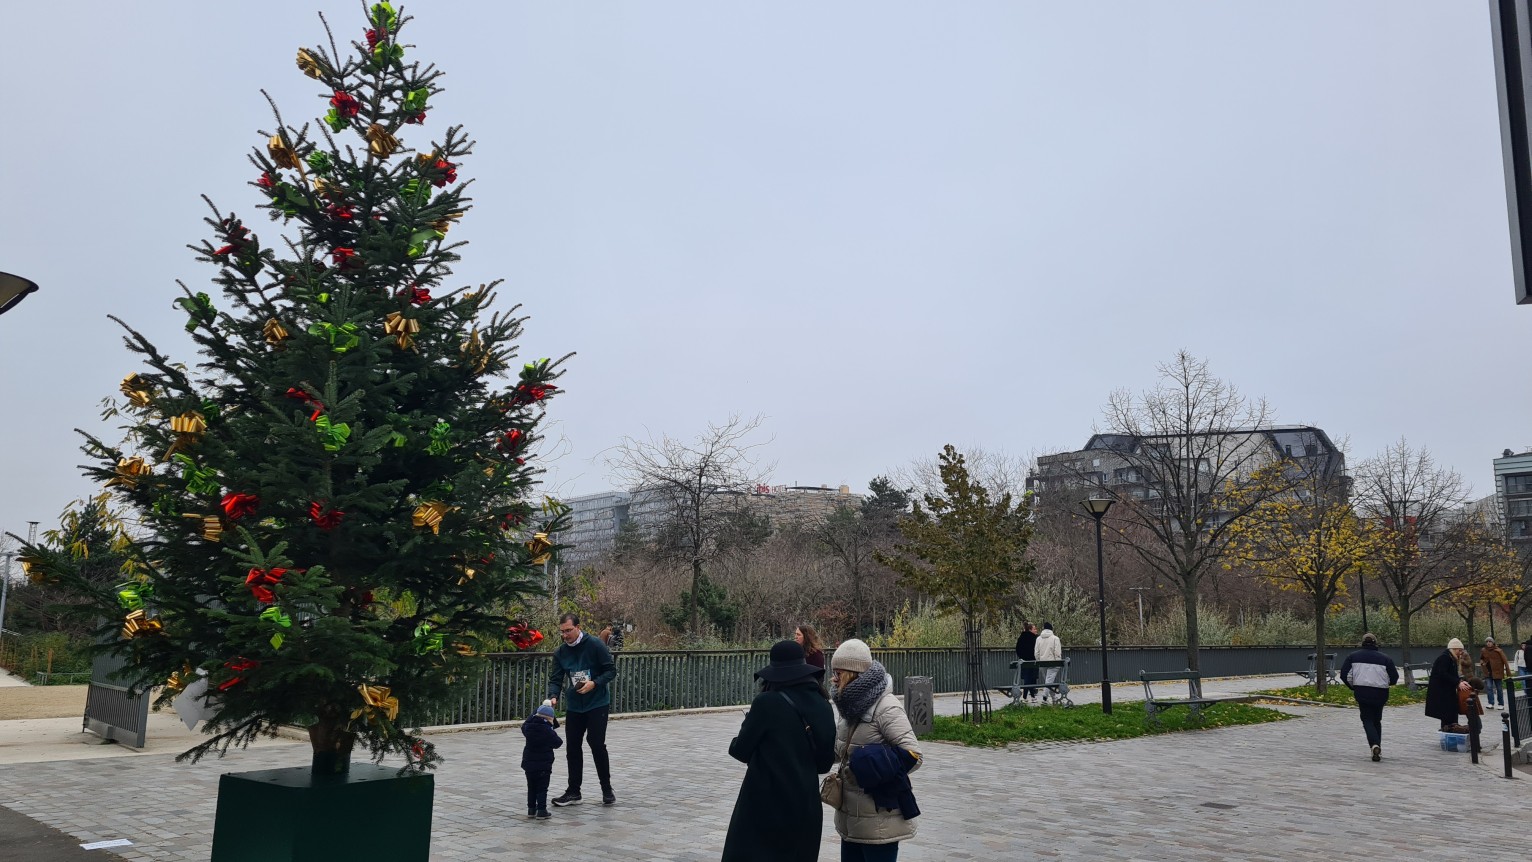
[(514, 684)]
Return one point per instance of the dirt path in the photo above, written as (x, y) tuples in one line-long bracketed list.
[(42, 701)]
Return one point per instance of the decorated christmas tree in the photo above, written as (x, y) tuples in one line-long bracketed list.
[(336, 507)]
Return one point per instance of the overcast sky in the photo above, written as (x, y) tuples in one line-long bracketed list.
[(884, 225)]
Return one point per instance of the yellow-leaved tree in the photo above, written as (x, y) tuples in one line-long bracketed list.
[(1307, 539)]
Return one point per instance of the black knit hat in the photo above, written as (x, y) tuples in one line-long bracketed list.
[(787, 664)]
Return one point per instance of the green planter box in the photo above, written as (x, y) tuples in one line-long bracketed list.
[(285, 815)]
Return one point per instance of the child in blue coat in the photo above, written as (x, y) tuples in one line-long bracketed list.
[(537, 758)]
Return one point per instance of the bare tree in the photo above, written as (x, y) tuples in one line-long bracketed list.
[(698, 490), (1189, 443), (1412, 503), (854, 535), (996, 470)]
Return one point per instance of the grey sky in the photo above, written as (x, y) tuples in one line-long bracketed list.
[(884, 225)]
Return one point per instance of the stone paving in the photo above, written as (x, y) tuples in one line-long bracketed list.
[(1294, 790)]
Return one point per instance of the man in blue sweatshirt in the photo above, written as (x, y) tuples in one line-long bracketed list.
[(582, 672)]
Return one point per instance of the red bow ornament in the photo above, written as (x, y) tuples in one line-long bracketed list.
[(236, 506), (260, 582)]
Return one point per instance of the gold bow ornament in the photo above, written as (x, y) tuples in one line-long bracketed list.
[(281, 154), (129, 471), (138, 624), (137, 390), (376, 697), (380, 142), (308, 64), (212, 527), (540, 548), (274, 332), (430, 515), (187, 427), (403, 328)]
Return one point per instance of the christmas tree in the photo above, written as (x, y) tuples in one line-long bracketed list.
[(336, 507)]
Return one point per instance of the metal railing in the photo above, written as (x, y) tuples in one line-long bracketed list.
[(513, 684)]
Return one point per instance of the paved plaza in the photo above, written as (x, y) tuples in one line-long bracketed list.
[(1294, 790)]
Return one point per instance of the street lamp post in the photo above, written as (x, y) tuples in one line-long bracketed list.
[(13, 289), (5, 586), (1097, 507)]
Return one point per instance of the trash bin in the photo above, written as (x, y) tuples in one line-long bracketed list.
[(918, 703)]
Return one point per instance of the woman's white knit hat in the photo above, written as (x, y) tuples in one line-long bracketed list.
[(852, 655), (1454, 644)]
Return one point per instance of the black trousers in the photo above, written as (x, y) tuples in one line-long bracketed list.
[(537, 789), (1029, 678), (587, 727), (1372, 721)]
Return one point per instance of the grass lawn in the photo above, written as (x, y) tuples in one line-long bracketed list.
[(1045, 723), (1338, 694)]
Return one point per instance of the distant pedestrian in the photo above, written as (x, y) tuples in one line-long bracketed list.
[(1049, 648), (541, 732), (787, 740), (1494, 663), (1369, 674), (1521, 657), (1026, 650), (807, 637), (1445, 683)]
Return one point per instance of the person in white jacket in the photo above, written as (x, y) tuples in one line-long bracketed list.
[(1049, 648)]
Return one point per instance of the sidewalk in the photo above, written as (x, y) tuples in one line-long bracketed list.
[(23, 838), (1287, 791), (7, 679)]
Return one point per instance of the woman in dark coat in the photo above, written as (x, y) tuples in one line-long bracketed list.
[(1442, 689), (788, 741)]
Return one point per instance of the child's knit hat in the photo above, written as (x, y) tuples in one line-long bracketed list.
[(545, 710)]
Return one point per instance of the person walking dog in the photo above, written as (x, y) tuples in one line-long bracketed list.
[(1369, 674)]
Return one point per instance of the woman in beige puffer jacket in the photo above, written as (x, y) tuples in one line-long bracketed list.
[(869, 714)]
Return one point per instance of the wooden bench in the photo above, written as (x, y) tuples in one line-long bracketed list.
[(1409, 674), (1193, 700)]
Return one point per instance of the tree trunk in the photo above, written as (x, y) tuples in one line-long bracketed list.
[(1469, 618), (696, 624), (1321, 677), (1193, 636), (1404, 633), (976, 704), (331, 743)]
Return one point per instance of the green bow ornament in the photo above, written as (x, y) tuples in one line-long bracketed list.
[(199, 480), (441, 439), (342, 338), (427, 641), (132, 595), (334, 435), (200, 307), (276, 615)]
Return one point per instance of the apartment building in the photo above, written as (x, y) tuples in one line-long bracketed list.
[(1123, 464), (596, 519), (1513, 487)]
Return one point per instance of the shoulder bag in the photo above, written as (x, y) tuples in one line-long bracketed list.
[(832, 790)]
